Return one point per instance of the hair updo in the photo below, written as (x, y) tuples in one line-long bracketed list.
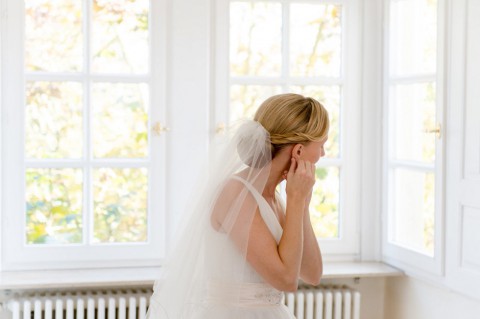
[(291, 119), (253, 144)]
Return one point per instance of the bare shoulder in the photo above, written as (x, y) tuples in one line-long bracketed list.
[(228, 195)]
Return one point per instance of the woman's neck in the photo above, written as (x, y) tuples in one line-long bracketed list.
[(279, 165)]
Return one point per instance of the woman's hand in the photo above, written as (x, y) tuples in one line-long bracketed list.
[(308, 199), (300, 180)]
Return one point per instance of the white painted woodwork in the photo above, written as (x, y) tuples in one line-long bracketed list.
[(395, 252), (15, 254), (139, 276), (463, 153)]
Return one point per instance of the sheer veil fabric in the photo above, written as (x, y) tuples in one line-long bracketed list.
[(207, 274)]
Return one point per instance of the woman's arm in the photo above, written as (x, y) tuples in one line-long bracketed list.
[(312, 263), (280, 264)]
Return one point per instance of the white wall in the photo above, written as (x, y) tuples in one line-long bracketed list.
[(188, 98), (410, 298)]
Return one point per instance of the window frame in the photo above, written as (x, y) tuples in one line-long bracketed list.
[(17, 256), (347, 246), (462, 182), (397, 254), (3, 12)]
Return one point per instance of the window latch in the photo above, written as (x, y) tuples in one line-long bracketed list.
[(158, 128), (221, 128), (437, 130)]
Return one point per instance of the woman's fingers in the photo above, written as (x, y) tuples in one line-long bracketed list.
[(312, 169), (301, 167), (308, 167), (300, 178), (293, 165), (304, 170), (291, 170)]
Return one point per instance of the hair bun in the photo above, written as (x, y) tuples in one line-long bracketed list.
[(253, 145)]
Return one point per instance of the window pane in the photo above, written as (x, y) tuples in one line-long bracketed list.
[(255, 38), (120, 36), (413, 36), (324, 206), (245, 99), (120, 204), (413, 114), (315, 40), (54, 206), (53, 120), (329, 96), (53, 35), (412, 210), (120, 120)]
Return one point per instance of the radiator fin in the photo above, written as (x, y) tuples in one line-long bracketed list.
[(324, 303), (128, 304), (307, 303)]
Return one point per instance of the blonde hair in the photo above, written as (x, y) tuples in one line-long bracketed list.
[(292, 119)]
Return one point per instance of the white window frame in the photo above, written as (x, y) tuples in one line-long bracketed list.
[(16, 255), (395, 254), (2, 36), (347, 246), (462, 180)]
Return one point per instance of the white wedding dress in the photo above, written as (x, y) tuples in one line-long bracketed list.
[(207, 275), (253, 298)]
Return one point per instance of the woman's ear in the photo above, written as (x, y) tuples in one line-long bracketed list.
[(297, 151)]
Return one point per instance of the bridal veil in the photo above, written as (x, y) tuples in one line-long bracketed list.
[(211, 249)]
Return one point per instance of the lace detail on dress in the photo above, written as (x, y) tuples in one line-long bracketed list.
[(243, 294), (270, 295)]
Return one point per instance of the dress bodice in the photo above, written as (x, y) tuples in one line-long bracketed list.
[(267, 213), (270, 219), (229, 252)]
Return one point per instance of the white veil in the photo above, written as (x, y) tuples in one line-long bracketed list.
[(212, 246)]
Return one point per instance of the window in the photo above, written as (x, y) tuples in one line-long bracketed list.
[(269, 47), (413, 102), (81, 105)]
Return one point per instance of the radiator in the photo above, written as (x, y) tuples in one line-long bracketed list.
[(124, 304), (306, 303), (324, 303)]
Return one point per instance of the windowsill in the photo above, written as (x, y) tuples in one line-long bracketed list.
[(145, 276)]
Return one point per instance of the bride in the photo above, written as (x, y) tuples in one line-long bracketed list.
[(242, 246)]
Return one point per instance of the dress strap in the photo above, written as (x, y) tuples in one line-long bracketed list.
[(267, 213)]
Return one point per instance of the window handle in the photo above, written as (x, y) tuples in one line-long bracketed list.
[(220, 129), (158, 128), (437, 130)]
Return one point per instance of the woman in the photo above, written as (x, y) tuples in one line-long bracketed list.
[(242, 246)]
